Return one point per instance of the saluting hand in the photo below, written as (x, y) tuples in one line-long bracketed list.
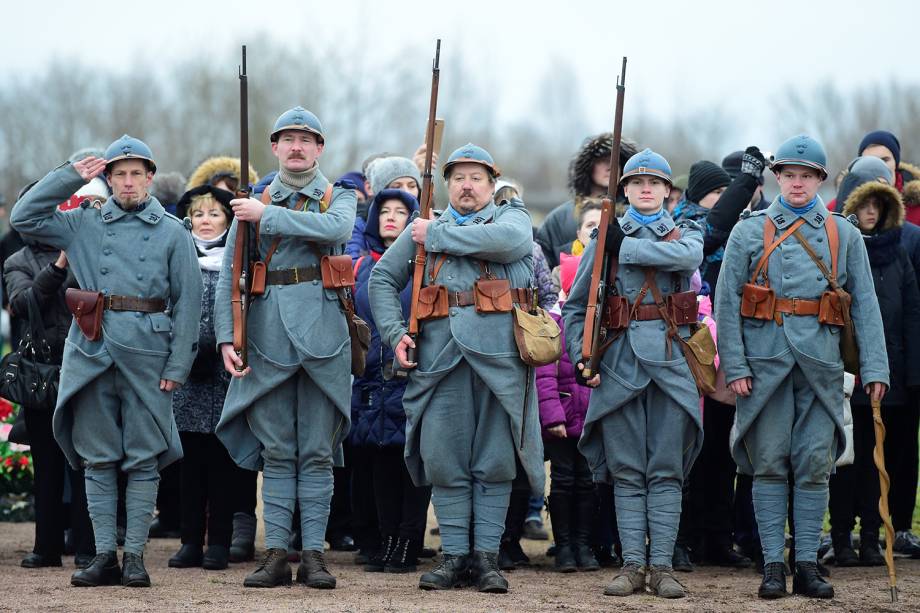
[(90, 167), (420, 230), (247, 209)]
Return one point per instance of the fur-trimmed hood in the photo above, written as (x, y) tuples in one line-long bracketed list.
[(892, 209), (596, 147), (216, 165), (910, 192)]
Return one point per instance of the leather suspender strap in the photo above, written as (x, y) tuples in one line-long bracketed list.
[(769, 231), (435, 269), (832, 243)]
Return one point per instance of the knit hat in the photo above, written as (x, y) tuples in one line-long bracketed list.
[(884, 138), (384, 171), (568, 266), (356, 178), (705, 177)]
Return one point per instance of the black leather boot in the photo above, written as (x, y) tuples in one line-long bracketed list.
[(216, 557), (870, 553), (807, 581), (378, 561), (844, 555), (485, 572), (103, 570), (453, 571), (273, 571), (583, 523), (37, 560), (774, 581), (724, 555), (404, 558), (680, 559), (133, 573), (243, 542), (188, 556), (313, 572), (560, 515)]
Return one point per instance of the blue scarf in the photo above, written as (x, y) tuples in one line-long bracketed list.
[(645, 219), (799, 210), (459, 218)]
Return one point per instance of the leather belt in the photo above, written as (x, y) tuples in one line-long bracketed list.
[(134, 303), (797, 306), (292, 276), (520, 296)]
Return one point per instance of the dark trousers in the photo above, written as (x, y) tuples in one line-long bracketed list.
[(364, 523), (208, 480), (518, 506), (854, 489), (708, 501), (246, 491), (402, 508), (168, 496), (50, 465), (573, 503), (901, 456), (745, 525), (568, 470)]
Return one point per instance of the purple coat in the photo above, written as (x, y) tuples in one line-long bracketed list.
[(562, 400)]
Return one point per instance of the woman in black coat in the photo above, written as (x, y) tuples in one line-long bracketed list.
[(40, 271), (854, 490)]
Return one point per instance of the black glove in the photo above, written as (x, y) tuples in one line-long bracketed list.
[(753, 162), (580, 378), (615, 238)]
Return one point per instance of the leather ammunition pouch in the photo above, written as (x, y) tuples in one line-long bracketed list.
[(432, 302), (492, 296), (616, 313), (831, 307), (336, 271), (87, 308), (258, 278), (683, 308), (757, 301)]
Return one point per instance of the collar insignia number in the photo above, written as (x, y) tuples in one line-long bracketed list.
[(107, 216), (819, 217), (780, 219), (627, 227), (661, 228), (318, 193)]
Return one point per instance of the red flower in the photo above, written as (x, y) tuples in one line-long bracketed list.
[(23, 461), (8, 461), (6, 409)]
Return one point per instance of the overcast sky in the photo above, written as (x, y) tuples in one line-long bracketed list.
[(683, 56)]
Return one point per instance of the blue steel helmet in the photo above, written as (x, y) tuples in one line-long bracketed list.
[(647, 162), (298, 118), (801, 150), (475, 154), (129, 148)]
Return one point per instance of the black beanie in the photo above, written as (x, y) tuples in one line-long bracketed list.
[(705, 177), (886, 139)]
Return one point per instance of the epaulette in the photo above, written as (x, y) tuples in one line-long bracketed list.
[(748, 213)]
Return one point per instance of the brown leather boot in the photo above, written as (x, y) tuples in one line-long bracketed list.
[(313, 571)]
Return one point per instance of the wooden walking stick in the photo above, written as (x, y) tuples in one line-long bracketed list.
[(885, 484)]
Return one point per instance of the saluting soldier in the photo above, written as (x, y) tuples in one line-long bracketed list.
[(785, 364), (289, 410), (467, 423), (114, 409), (643, 429)]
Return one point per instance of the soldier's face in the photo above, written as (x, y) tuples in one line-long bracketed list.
[(798, 184), (470, 187), (297, 150), (130, 181), (646, 193)]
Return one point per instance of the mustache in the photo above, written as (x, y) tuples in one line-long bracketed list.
[(467, 193)]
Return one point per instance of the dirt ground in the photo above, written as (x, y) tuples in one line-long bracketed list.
[(536, 589)]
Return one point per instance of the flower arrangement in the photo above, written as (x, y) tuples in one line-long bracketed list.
[(16, 470)]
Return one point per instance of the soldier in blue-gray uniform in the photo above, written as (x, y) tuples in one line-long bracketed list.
[(467, 423), (114, 409), (289, 410), (643, 429), (785, 364)]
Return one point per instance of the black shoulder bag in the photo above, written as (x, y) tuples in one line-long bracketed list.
[(27, 375)]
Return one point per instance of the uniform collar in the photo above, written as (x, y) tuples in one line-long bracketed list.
[(661, 227), (483, 215), (783, 218), (152, 213), (315, 189)]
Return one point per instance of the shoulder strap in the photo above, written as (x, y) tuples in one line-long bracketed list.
[(831, 276), (833, 242), (435, 269), (769, 231)]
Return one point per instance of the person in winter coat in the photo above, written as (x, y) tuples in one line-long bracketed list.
[(589, 174), (388, 172), (885, 146), (563, 406), (854, 490), (378, 417), (209, 479), (41, 272)]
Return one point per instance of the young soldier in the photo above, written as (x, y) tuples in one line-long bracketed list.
[(289, 410), (785, 364), (114, 409), (643, 429), (465, 402)]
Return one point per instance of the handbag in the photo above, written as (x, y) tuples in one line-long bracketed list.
[(28, 375), (537, 335)]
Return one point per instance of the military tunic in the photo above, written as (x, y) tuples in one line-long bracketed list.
[(643, 429), (793, 420), (149, 254), (464, 402), (292, 411)]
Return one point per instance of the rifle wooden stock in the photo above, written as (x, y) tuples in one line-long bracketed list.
[(242, 253), (432, 137), (591, 352)]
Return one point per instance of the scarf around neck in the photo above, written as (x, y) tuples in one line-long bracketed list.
[(297, 180), (211, 251), (645, 219), (799, 210)]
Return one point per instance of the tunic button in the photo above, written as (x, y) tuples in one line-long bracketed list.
[(138, 314), (315, 282), (142, 258), (633, 325), (787, 276), (453, 312), (661, 326), (140, 277), (819, 277), (820, 239), (146, 237), (110, 233), (106, 252), (104, 271), (450, 276)]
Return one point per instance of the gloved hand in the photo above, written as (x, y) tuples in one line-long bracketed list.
[(615, 238), (753, 162)]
